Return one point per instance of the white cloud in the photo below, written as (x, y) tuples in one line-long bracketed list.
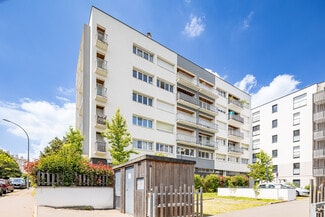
[(280, 86), (194, 27), (42, 120), (210, 70), (247, 21), (247, 83)]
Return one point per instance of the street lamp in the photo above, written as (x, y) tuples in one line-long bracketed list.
[(27, 144)]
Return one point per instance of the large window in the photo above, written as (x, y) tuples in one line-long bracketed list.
[(136, 97), (164, 148), (275, 108), (165, 85), (189, 152), (296, 135), (144, 54), (141, 144), (142, 76), (296, 118), (142, 122), (206, 155), (300, 101), (274, 138)]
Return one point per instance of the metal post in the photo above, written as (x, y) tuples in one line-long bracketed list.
[(27, 144)]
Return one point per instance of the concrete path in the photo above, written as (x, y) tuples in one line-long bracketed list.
[(297, 208)]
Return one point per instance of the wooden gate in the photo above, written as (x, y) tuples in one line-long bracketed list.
[(170, 202)]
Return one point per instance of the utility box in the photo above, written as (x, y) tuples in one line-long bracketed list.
[(135, 179)]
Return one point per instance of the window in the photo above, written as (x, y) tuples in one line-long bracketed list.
[(101, 36), (100, 88), (275, 108), (189, 152), (221, 93), (274, 138), (141, 144), (136, 97), (206, 155), (296, 151), (275, 168), (165, 127), (142, 76), (244, 161), (296, 118), (101, 62), (256, 144), (143, 54), (142, 122), (165, 64), (296, 168), (296, 135), (256, 116), (220, 141), (164, 148), (274, 153), (256, 130), (275, 123), (300, 101), (164, 85)]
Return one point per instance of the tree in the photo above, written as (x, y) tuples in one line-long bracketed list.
[(55, 145), (8, 166), (119, 139), (262, 169)]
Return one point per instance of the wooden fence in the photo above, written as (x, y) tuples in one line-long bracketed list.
[(170, 202), (61, 179)]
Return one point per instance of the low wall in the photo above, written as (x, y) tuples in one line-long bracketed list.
[(264, 193), (96, 197)]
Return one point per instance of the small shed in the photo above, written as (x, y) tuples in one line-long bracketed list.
[(135, 179)]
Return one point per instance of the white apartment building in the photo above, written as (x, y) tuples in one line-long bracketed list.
[(171, 105), (283, 128)]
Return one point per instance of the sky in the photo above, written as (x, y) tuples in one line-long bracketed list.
[(266, 48)]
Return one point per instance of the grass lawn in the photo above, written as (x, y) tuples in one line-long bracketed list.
[(214, 204)]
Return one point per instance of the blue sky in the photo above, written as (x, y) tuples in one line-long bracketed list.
[(267, 48)]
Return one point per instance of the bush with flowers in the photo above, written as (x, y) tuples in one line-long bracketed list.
[(68, 162)]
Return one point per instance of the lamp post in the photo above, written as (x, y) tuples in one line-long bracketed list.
[(27, 144)]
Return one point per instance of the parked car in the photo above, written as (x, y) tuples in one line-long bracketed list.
[(302, 192), (1, 192), (19, 183), (7, 186), (299, 191)]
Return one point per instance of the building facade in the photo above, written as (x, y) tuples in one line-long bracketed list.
[(171, 105), (283, 128)]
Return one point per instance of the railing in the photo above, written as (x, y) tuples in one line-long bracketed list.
[(208, 107), (167, 201), (101, 146), (101, 91), (209, 89), (187, 98), (186, 138), (236, 118), (236, 150), (319, 116), (208, 143), (320, 153), (186, 118), (101, 63), (319, 97), (101, 119), (320, 134), (235, 102), (208, 124), (237, 133), (60, 179), (193, 81), (101, 36), (319, 172)]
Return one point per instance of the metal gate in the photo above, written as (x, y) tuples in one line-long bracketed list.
[(129, 190), (117, 189)]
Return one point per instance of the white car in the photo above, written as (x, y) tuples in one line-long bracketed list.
[(302, 192)]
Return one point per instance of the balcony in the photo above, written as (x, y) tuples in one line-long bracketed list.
[(101, 121), (101, 148), (102, 40), (101, 68), (235, 150), (317, 172), (207, 125), (235, 134), (319, 153), (235, 119), (208, 108), (186, 139), (319, 117), (319, 98), (101, 94), (186, 120), (187, 100), (235, 104), (319, 135), (208, 143), (209, 91), (187, 81)]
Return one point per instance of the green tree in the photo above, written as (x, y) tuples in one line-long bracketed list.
[(54, 146), (119, 139), (262, 169), (8, 166)]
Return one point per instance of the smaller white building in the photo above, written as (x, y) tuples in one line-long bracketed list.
[(283, 128)]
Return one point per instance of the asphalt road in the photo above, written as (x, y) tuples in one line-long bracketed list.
[(19, 203)]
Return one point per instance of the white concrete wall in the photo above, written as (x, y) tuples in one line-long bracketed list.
[(96, 197), (278, 194)]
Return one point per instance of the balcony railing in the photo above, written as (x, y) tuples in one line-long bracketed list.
[(319, 116), (208, 143), (101, 36), (235, 149), (101, 119), (208, 106), (319, 97), (237, 133), (236, 118), (186, 138), (319, 153), (187, 79), (101, 146), (208, 124), (101, 91), (186, 118), (102, 64), (187, 98), (236, 102), (319, 135), (319, 172)]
